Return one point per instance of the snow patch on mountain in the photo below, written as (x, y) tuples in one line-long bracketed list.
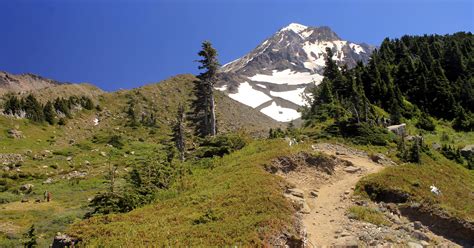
[(294, 96), (222, 88), (295, 27), (287, 77), (250, 96), (357, 48), (280, 113)]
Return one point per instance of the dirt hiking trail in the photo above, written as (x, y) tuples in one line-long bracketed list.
[(321, 188), (330, 207)]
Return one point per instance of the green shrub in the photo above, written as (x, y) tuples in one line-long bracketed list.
[(220, 145), (116, 141), (62, 121), (426, 123), (369, 215), (360, 133), (464, 121)]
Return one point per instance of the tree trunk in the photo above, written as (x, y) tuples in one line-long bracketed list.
[(206, 112), (213, 114), (181, 141)]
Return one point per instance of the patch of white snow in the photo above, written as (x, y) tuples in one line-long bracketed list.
[(357, 48), (295, 27), (294, 96), (287, 77), (222, 88), (280, 113), (249, 96)]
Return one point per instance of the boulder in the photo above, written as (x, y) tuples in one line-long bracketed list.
[(63, 240), (347, 242), (417, 225), (351, 169), (436, 146), (296, 192), (420, 236), (298, 203), (48, 181), (400, 129), (27, 187), (414, 245), (15, 134), (467, 151), (11, 159)]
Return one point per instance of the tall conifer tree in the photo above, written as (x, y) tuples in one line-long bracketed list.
[(204, 104)]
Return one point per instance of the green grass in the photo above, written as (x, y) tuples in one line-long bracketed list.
[(454, 181), (235, 203), (369, 215)]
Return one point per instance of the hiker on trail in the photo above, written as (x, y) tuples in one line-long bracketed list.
[(45, 195), (49, 196)]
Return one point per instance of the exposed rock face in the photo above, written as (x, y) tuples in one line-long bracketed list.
[(398, 129), (23, 82), (273, 77), (15, 134), (11, 159), (468, 151), (63, 240)]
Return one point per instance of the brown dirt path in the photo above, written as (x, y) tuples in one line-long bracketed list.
[(329, 208)]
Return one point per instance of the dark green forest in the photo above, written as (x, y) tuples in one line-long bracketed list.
[(421, 77)]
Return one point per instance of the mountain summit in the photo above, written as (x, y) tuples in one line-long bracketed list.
[(274, 76)]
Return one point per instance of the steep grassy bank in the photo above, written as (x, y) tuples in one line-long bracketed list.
[(233, 201)]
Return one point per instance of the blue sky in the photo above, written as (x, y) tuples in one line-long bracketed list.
[(124, 44)]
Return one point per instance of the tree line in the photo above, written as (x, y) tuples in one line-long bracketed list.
[(414, 76), (52, 112)]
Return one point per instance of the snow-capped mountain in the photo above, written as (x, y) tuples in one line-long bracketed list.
[(274, 76)]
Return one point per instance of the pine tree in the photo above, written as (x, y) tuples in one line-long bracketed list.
[(33, 109), (415, 156), (204, 104), (12, 106), (132, 116), (453, 62), (61, 105), (87, 103), (29, 238), (179, 132), (49, 113)]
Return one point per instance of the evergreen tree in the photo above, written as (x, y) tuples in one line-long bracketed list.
[(179, 132), (87, 103), (425, 122), (49, 113), (204, 104), (414, 155), (132, 116), (33, 109), (463, 121), (61, 105), (454, 63), (29, 238), (12, 106)]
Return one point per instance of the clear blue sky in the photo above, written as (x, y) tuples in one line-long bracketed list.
[(124, 44)]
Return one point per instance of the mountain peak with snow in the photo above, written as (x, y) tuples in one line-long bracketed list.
[(275, 76), (295, 27)]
